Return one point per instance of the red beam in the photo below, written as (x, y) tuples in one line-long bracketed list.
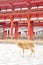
[(38, 24), (37, 3), (22, 13), (14, 3), (20, 4), (23, 24)]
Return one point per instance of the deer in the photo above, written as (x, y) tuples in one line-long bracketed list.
[(27, 45)]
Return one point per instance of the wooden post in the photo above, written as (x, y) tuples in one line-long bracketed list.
[(30, 29), (11, 33), (4, 31), (16, 30), (28, 26), (11, 28)]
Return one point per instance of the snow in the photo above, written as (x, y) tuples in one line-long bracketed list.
[(11, 54)]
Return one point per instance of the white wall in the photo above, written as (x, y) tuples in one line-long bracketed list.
[(21, 29), (38, 28)]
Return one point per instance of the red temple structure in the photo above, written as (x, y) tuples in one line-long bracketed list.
[(20, 13)]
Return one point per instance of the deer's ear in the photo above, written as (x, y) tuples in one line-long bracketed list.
[(16, 41)]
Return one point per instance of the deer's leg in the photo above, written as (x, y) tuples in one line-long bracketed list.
[(32, 50), (23, 53)]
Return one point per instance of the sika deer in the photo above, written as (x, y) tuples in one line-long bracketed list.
[(27, 45)]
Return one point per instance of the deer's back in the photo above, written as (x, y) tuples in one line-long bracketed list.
[(26, 45)]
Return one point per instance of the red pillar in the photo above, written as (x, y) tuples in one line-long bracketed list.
[(16, 30), (11, 28), (4, 31), (30, 30), (11, 32)]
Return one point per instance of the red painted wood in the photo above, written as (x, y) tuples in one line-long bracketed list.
[(12, 4), (16, 30), (4, 31)]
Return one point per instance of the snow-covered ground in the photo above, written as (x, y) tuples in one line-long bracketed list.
[(11, 54)]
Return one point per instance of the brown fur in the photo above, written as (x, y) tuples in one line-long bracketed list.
[(27, 45)]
